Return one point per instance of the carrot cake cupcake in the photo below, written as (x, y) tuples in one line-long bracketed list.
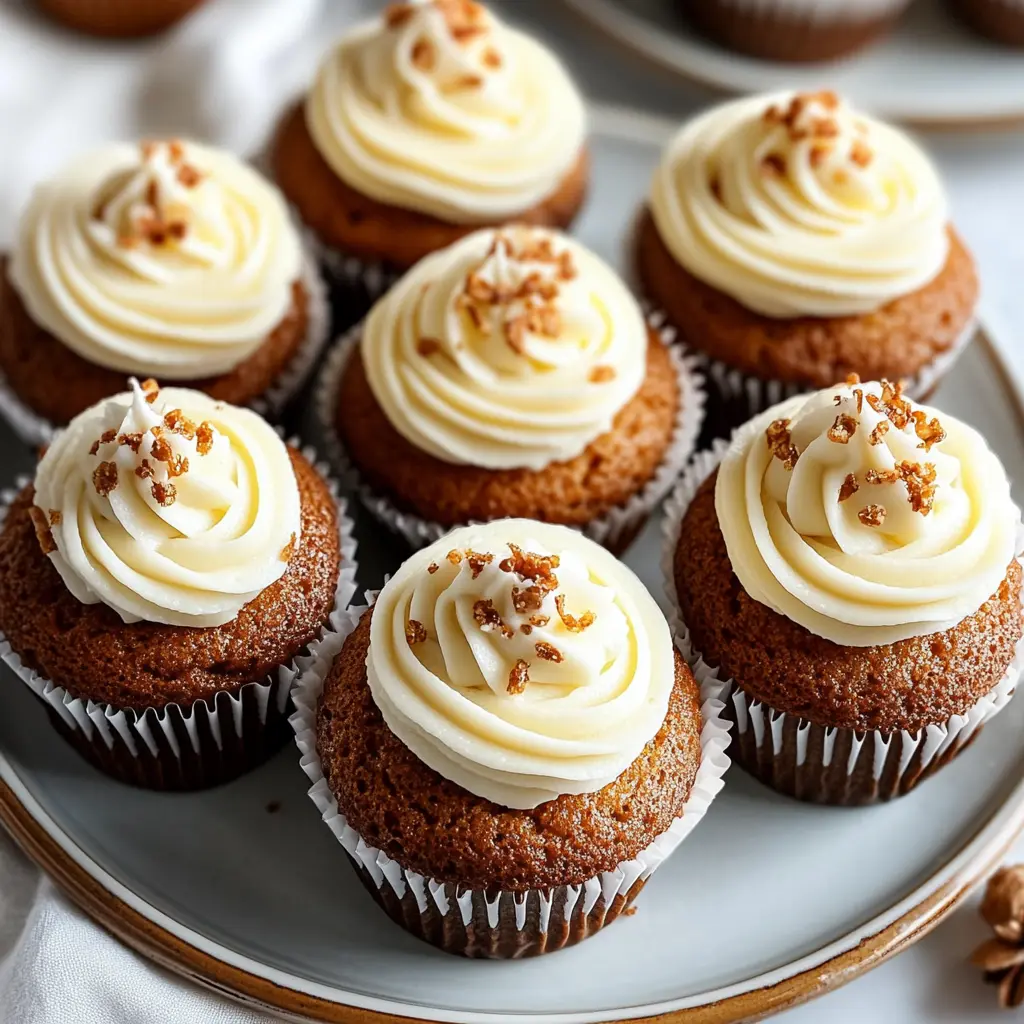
[(507, 744), (159, 577), (511, 374), (847, 566), (119, 19), (1002, 21), (163, 259), (793, 240), (423, 125), (794, 30)]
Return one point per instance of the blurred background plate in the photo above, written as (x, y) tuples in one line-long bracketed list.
[(769, 903), (929, 71)]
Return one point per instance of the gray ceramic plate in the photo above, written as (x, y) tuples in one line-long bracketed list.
[(769, 902)]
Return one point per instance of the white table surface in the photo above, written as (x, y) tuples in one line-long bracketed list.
[(930, 982)]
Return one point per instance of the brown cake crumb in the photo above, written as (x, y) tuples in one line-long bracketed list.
[(872, 515), (518, 677), (842, 430), (780, 443), (415, 633), (849, 487), (548, 652), (164, 494), (570, 622), (43, 532), (104, 478)]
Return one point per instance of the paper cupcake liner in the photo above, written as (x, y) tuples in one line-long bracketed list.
[(750, 395), (494, 923), (615, 529), (35, 430), (362, 282), (800, 758), (185, 747)]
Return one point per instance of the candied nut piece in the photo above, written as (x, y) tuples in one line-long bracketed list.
[(872, 515), (518, 677), (780, 443), (415, 632)]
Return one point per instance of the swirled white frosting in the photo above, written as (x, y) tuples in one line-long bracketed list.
[(799, 206), (168, 259), (890, 534), (507, 349), (441, 108), (442, 663), (178, 511)]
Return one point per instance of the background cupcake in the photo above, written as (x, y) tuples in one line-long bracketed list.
[(849, 572), (170, 560), (999, 20), (427, 123), (507, 744), (794, 30), (511, 374), (166, 259), (792, 241), (119, 19)]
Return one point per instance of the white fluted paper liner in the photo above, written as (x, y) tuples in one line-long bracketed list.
[(34, 430), (431, 894), (153, 729), (921, 749), (370, 278), (611, 529), (758, 394)]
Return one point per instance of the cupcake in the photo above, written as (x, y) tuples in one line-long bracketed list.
[(507, 743), (792, 241), (118, 19), (158, 579), (999, 20), (424, 125), (166, 260), (794, 30), (847, 568), (511, 374)]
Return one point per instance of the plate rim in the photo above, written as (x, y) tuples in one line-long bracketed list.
[(154, 934), (684, 59)]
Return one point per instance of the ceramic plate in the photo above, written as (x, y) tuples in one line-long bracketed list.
[(769, 902), (930, 70)]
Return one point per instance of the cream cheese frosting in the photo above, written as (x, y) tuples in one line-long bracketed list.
[(865, 519), (168, 258), (168, 506), (440, 108), (511, 348), (797, 205), (521, 661)]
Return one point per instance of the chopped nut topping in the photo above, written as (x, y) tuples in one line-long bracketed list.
[(133, 441), (929, 431), (842, 430), (204, 438), (396, 15), (104, 478), (526, 629), (539, 621), (716, 187), (415, 633), (539, 569), (773, 165), (288, 550), (424, 56), (780, 443), (860, 153), (881, 476), (852, 379), (872, 515), (432, 568), (189, 176), (518, 678), (858, 394), (178, 423), (849, 487), (105, 438), (478, 562), (819, 153), (178, 466), (164, 493), (487, 618), (920, 484), (491, 58), (876, 435), (548, 652), (570, 622), (56, 516), (161, 449), (602, 374), (454, 556), (150, 389), (144, 470), (892, 404), (43, 532), (469, 82), (427, 347), (528, 600), (820, 127)]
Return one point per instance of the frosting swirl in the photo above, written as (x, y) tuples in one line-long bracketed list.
[(863, 519), (168, 506), (521, 661), (439, 107), (169, 259), (798, 206), (507, 349)]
